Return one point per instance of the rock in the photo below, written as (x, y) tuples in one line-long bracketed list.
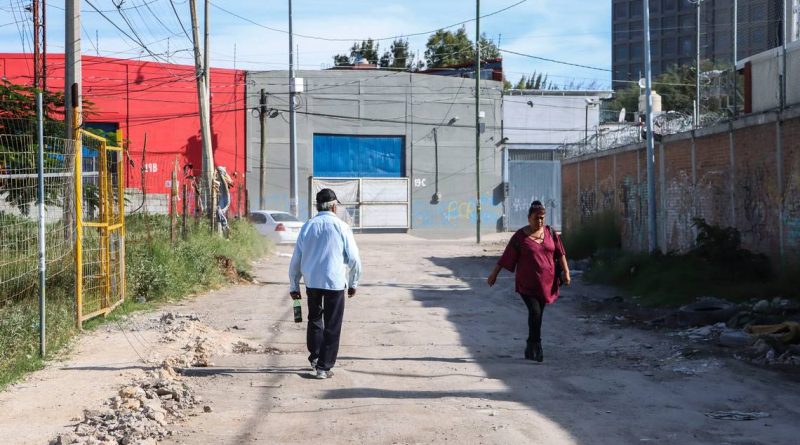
[(762, 307), (207, 409), (735, 338), (65, 439), (130, 392)]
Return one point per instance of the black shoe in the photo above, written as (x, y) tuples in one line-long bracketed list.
[(528, 354), (538, 354)]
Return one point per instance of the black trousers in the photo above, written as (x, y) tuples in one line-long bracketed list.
[(535, 312), (325, 313)]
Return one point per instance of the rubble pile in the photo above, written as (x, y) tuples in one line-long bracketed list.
[(762, 332), (140, 413), (241, 347), (172, 325)]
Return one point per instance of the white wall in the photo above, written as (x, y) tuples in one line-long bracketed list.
[(553, 118)]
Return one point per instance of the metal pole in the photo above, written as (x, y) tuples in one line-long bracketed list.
[(651, 181), (205, 128), (36, 72), (586, 127), (697, 69), (72, 53), (262, 176), (292, 127), (735, 57), (44, 47), (478, 120), (784, 34), (42, 262)]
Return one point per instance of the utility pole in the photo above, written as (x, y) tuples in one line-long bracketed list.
[(72, 53), (652, 242), (36, 66), (478, 121), (262, 176), (784, 36), (292, 126), (44, 48), (205, 127), (735, 58), (697, 4)]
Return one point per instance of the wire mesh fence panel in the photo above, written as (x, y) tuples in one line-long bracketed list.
[(100, 227), (19, 217)]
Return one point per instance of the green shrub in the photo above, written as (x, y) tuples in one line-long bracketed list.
[(598, 232)]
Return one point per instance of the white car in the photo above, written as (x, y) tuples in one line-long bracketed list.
[(279, 227)]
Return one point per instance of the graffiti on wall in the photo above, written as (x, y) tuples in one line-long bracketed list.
[(791, 205), (587, 204), (754, 194), (678, 211), (633, 198)]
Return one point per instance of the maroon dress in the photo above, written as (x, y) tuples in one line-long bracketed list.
[(534, 265)]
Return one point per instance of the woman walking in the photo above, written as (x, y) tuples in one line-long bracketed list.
[(534, 254)]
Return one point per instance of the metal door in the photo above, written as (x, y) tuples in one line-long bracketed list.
[(532, 175)]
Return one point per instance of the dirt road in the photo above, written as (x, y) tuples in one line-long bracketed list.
[(429, 354)]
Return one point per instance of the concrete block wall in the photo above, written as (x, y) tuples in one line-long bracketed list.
[(743, 174)]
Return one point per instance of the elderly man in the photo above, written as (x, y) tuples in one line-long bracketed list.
[(324, 251)]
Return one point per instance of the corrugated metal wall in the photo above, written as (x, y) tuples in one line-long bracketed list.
[(339, 156), (533, 174)]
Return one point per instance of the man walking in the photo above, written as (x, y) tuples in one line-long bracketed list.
[(324, 251)]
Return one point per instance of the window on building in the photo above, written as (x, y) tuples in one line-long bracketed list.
[(621, 52), (687, 46), (669, 25), (620, 32), (685, 5), (758, 13), (671, 5), (636, 51), (655, 6), (688, 22), (722, 41), (620, 10), (758, 37), (669, 46), (655, 49), (636, 31), (636, 9)]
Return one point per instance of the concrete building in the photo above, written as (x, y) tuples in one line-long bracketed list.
[(399, 146), (153, 106), (536, 124), (673, 27)]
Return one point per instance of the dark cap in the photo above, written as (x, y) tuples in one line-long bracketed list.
[(326, 195)]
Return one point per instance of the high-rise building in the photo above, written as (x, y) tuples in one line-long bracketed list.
[(673, 25)]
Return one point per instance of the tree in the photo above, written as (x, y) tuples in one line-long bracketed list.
[(446, 48), (397, 56), (488, 48), (367, 50), (522, 82)]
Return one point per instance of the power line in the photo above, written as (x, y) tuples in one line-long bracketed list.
[(553, 60), (329, 39)]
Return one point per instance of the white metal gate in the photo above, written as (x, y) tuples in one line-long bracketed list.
[(532, 175), (368, 203)]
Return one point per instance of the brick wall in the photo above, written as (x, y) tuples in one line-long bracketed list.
[(744, 174)]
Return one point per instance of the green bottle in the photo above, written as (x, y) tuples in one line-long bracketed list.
[(298, 311)]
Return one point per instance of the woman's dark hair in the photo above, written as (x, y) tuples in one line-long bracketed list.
[(536, 207)]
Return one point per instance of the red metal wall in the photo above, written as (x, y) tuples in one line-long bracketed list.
[(159, 101)]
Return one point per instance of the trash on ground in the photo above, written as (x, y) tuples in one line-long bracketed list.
[(736, 415)]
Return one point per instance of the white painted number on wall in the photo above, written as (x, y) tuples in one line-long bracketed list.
[(419, 182), (151, 167)]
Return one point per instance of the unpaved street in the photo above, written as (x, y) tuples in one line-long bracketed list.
[(429, 354)]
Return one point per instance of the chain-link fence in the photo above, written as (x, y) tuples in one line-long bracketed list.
[(19, 217)]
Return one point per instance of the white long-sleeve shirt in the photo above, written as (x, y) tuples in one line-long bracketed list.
[(324, 252)]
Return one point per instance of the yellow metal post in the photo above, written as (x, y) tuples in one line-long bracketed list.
[(121, 184), (78, 147)]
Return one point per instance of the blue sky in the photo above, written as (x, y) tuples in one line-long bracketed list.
[(576, 31)]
